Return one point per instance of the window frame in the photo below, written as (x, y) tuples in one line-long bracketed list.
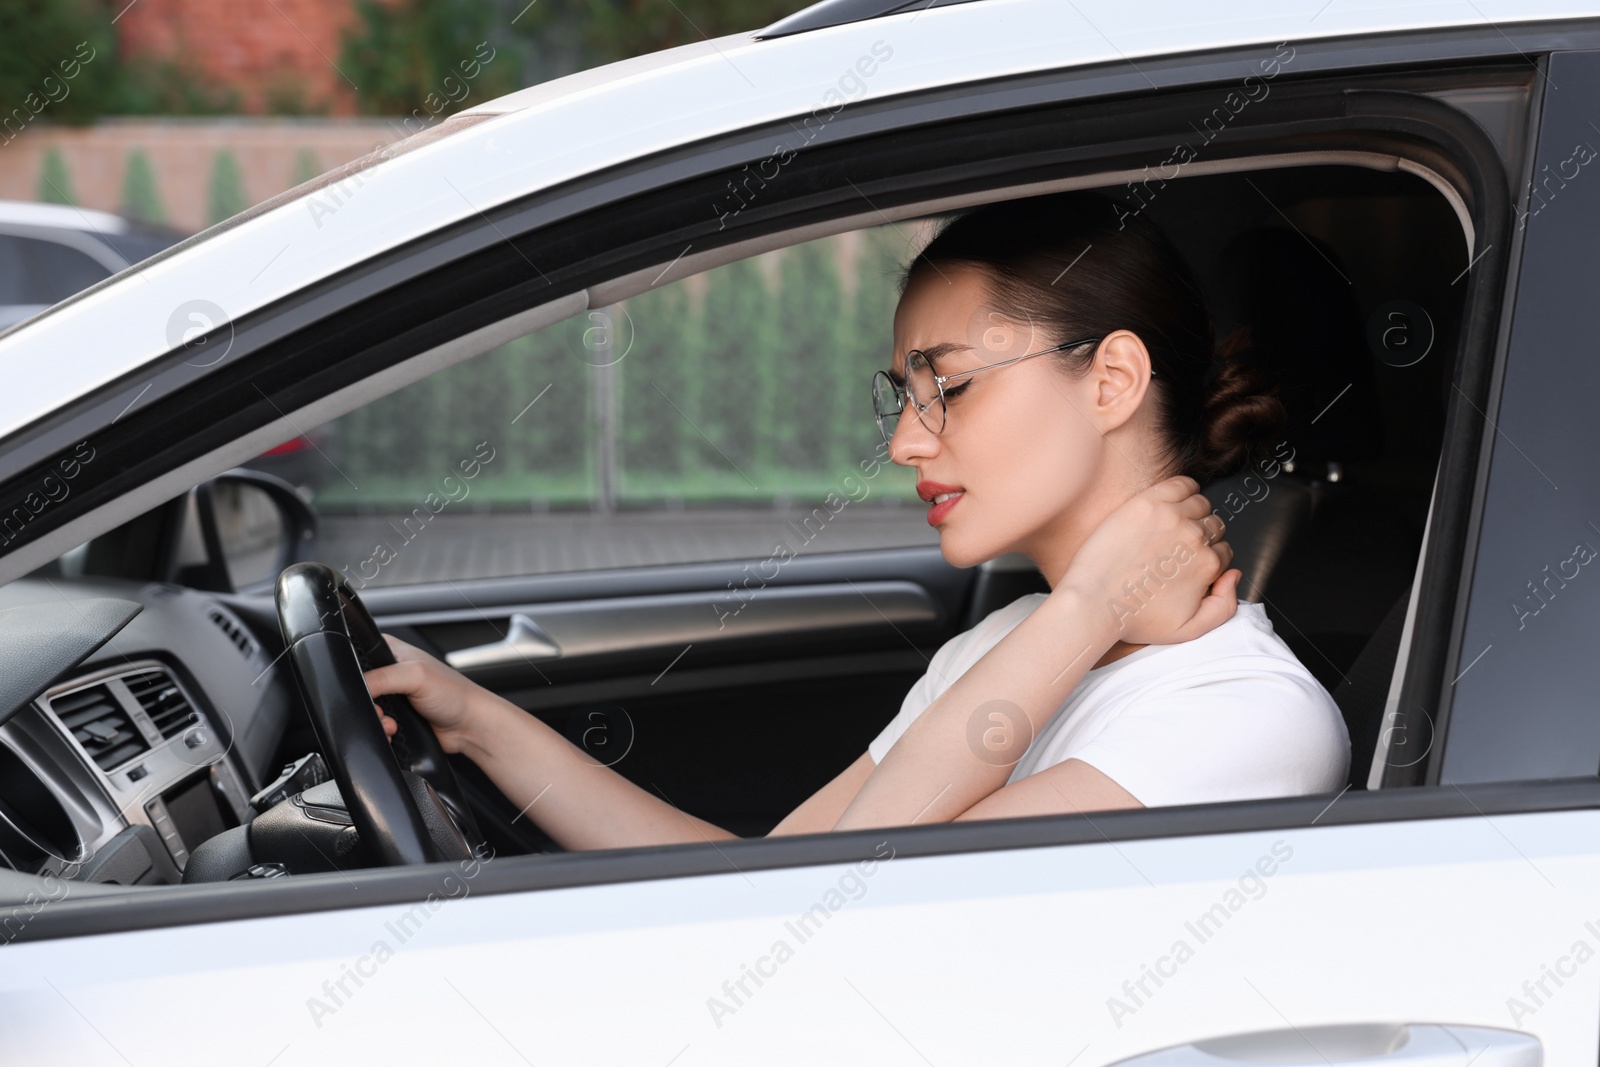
[(457, 260), (1454, 767)]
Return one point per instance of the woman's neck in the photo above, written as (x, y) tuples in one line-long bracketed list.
[(1055, 548), (1117, 650)]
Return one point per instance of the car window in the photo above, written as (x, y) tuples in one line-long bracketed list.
[(694, 422), (34, 271), (1524, 681)]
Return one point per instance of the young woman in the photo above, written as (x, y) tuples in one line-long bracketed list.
[(1054, 384)]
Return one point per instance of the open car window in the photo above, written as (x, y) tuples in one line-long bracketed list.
[(721, 416)]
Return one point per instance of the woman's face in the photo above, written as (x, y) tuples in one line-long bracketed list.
[(1030, 452)]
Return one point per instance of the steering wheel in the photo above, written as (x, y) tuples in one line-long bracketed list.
[(402, 796)]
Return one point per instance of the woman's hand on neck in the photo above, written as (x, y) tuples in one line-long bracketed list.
[(1158, 565)]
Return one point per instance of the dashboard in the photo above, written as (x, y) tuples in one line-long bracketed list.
[(155, 743)]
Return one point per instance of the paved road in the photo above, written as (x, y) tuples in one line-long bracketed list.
[(489, 545)]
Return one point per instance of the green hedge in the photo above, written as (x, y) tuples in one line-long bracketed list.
[(731, 390)]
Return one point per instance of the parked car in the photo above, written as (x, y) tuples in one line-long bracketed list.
[(1395, 198), (48, 252)]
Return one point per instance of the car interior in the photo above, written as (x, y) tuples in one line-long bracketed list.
[(1348, 277)]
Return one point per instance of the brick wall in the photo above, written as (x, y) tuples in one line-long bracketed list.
[(257, 47)]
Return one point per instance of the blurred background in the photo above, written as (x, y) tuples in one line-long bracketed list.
[(184, 112), (712, 418)]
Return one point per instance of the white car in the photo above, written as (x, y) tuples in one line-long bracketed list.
[(1396, 197), (50, 251)]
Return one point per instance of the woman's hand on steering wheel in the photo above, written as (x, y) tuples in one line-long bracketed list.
[(442, 695), (1159, 565)]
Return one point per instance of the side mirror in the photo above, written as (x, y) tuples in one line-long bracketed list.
[(249, 525)]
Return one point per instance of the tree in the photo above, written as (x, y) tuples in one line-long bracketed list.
[(140, 201), (68, 42), (225, 195), (868, 344), (740, 366), (605, 32), (425, 58), (554, 435), (285, 94), (306, 167), (55, 184), (811, 318), (665, 356), (148, 85)]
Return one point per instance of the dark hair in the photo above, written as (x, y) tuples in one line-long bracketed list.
[(1078, 264)]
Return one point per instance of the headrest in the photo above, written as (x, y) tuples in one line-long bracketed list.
[(1309, 338)]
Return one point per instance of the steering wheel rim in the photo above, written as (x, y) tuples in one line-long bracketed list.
[(403, 797)]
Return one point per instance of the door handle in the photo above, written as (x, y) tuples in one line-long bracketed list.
[(524, 642), (1378, 1044)]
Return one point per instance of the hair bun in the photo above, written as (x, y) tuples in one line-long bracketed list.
[(1241, 412)]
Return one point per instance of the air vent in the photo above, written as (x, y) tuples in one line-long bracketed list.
[(100, 724), (162, 700), (236, 632)]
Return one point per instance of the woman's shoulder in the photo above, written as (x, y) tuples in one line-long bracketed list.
[(1244, 654), (1248, 639), (1254, 642), (1229, 715)]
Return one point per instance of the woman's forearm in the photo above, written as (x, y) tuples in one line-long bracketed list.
[(963, 745), (581, 804)]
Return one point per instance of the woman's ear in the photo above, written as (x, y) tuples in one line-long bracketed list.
[(1120, 377)]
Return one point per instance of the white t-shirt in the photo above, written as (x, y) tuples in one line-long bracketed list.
[(1230, 715)]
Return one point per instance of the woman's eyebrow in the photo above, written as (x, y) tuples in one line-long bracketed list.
[(933, 353), (936, 352)]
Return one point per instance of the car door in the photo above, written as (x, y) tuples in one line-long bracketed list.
[(1450, 922)]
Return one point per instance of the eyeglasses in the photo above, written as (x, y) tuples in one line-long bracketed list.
[(926, 389)]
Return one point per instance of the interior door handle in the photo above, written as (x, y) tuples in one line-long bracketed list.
[(524, 642), (1379, 1044)]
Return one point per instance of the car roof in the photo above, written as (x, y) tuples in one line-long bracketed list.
[(562, 130), (841, 12)]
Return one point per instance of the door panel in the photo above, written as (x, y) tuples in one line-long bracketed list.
[(732, 691), (580, 635), (736, 593), (1087, 953)]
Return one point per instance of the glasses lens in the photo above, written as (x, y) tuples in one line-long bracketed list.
[(886, 403), (923, 392)]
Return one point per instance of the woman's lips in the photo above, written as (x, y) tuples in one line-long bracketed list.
[(941, 507), (942, 497)]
